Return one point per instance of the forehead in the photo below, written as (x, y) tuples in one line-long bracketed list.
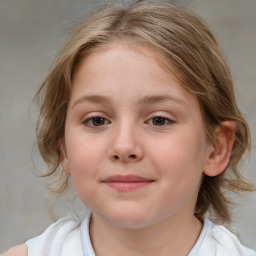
[(136, 49), (128, 69)]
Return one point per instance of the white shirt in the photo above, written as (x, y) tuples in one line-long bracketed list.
[(66, 237)]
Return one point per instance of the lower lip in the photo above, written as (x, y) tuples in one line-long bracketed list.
[(127, 186)]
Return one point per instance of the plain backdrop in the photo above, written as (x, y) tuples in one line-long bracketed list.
[(31, 33)]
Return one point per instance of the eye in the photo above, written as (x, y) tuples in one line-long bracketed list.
[(159, 121), (96, 121)]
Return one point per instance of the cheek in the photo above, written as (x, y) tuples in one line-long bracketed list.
[(83, 171), (84, 152), (180, 159), (180, 172), (84, 159)]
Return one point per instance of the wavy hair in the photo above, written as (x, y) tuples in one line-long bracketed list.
[(184, 43)]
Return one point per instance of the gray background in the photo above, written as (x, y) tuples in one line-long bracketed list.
[(31, 33)]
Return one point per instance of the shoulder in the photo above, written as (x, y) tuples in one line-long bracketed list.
[(63, 235), (19, 250), (223, 242)]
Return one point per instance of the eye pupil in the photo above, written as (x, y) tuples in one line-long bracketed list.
[(158, 121), (97, 121)]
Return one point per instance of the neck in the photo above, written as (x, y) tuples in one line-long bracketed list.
[(173, 236)]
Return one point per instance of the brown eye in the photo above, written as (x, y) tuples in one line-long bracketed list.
[(96, 121), (160, 121)]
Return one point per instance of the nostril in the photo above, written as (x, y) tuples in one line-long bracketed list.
[(117, 157)]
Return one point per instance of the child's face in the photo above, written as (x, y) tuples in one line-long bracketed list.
[(135, 141)]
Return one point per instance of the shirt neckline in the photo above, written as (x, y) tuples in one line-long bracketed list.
[(87, 245), (85, 237), (200, 239)]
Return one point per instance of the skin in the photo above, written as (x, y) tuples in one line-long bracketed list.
[(124, 90), (128, 116), (19, 250)]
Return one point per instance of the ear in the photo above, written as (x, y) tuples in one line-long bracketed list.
[(220, 151), (64, 157)]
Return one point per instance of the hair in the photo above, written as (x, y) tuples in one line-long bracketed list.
[(184, 44)]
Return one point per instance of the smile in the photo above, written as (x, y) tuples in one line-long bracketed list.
[(126, 183)]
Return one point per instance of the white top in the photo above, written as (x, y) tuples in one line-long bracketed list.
[(66, 237)]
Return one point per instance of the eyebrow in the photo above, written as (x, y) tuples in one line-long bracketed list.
[(150, 99), (161, 98), (93, 99)]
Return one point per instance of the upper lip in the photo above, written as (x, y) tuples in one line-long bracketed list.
[(126, 178)]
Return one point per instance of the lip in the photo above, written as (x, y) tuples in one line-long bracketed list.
[(126, 183)]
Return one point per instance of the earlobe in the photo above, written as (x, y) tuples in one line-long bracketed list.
[(219, 153), (64, 157)]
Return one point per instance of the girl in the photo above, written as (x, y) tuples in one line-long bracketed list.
[(139, 111)]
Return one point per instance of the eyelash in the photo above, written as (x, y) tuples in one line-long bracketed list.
[(89, 121), (165, 119)]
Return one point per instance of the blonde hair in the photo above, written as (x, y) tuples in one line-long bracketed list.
[(184, 43)]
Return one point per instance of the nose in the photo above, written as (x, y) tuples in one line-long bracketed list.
[(126, 146)]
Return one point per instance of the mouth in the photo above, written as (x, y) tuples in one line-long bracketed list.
[(126, 183)]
